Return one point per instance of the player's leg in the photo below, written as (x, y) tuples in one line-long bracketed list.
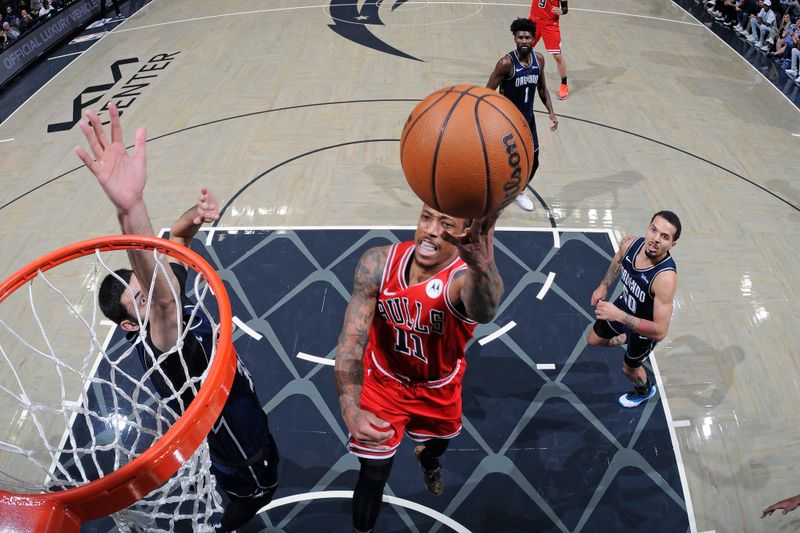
[(428, 455), (249, 486), (383, 397), (368, 495), (435, 419), (523, 200), (605, 333), (551, 34), (638, 349)]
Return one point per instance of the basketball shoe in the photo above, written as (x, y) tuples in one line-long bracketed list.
[(524, 202), (637, 396), (432, 476), (563, 91)]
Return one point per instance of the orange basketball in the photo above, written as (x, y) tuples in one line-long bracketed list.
[(466, 151)]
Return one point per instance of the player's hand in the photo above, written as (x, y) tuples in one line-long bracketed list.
[(557, 11), (368, 429), (121, 175), (475, 244), (788, 505), (554, 120), (207, 207), (599, 293), (607, 311)]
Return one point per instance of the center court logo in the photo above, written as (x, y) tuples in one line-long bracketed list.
[(434, 288), (127, 94)]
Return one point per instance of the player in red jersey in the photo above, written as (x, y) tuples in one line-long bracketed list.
[(400, 357), (545, 14)]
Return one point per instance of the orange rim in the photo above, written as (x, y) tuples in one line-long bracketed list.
[(121, 488)]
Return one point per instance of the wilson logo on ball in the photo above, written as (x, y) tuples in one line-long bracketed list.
[(511, 187)]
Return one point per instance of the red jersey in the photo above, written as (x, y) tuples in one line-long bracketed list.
[(543, 10), (417, 334)]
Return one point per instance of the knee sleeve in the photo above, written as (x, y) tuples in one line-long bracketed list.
[(369, 492)]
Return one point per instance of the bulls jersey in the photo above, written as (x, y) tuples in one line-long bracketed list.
[(417, 333), (542, 10), (637, 297), (520, 88)]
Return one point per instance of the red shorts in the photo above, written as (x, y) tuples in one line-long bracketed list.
[(550, 31), (421, 410)]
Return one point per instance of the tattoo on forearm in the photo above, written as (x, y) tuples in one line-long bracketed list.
[(349, 369), (640, 325), (482, 292), (611, 273)]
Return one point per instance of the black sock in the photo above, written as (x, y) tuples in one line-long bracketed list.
[(564, 80), (434, 449)]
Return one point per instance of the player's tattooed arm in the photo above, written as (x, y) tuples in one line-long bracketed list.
[(601, 291), (663, 288), (479, 288), (349, 369)]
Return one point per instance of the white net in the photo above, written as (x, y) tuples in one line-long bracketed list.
[(75, 407)]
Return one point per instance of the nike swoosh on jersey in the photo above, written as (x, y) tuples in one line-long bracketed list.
[(387, 293)]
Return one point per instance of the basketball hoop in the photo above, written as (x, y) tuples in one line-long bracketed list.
[(63, 509)]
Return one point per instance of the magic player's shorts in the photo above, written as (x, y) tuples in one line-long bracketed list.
[(424, 410), (638, 346), (550, 32)]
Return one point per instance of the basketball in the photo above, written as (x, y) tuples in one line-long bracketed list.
[(466, 151)]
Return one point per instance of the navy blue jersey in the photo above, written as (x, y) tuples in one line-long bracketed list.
[(240, 442), (637, 297), (520, 88)]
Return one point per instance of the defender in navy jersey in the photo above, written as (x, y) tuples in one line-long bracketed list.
[(642, 313), (243, 453), (520, 76)]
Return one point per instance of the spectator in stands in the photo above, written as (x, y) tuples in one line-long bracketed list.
[(36, 6), (12, 34), (744, 10), (25, 21), (784, 45), (10, 16), (724, 11), (794, 67), (46, 10), (761, 27)]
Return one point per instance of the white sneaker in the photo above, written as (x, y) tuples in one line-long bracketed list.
[(524, 202), (751, 38), (763, 47), (791, 72), (797, 79), (770, 40), (738, 28)]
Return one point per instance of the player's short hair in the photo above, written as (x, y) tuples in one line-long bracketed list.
[(673, 219), (523, 24), (110, 295)]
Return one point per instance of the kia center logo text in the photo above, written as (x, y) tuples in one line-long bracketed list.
[(128, 93)]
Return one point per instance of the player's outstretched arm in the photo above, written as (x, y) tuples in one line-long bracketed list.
[(501, 70), (349, 368), (186, 227), (122, 177), (788, 505), (601, 292), (480, 288)]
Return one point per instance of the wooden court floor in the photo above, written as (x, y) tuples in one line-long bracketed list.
[(291, 111)]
